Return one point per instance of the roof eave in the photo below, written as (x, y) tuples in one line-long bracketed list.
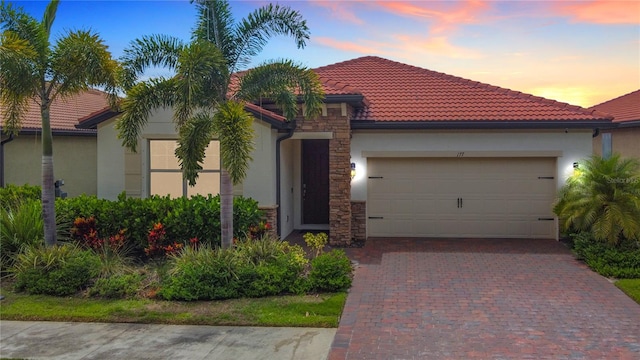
[(93, 121), (477, 124), (628, 124), (58, 132)]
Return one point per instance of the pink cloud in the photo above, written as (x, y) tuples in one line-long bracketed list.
[(339, 10), (600, 11)]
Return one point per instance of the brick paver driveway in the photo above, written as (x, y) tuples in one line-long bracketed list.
[(482, 299)]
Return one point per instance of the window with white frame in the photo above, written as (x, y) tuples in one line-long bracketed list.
[(606, 145), (165, 175)]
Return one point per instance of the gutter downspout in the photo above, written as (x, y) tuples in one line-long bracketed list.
[(10, 138), (286, 136)]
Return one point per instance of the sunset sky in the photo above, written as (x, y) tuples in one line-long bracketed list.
[(580, 52)]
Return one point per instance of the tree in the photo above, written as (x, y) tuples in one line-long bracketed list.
[(32, 69), (602, 197), (208, 93)]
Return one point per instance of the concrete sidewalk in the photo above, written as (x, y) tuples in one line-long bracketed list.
[(66, 340)]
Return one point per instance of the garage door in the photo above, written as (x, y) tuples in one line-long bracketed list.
[(461, 197)]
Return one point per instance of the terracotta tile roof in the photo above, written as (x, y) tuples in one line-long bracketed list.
[(66, 113), (623, 108), (400, 92)]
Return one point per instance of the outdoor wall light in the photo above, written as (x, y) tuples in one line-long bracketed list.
[(353, 170), (576, 165)]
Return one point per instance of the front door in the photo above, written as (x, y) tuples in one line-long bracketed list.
[(315, 181)]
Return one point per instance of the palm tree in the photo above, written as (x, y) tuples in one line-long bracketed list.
[(208, 91), (32, 69), (602, 197)]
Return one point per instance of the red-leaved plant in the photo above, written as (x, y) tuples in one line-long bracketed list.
[(158, 246)]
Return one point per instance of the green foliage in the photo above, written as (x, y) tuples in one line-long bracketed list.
[(232, 124), (117, 286), (331, 272), (603, 198), (316, 242), (21, 226), (58, 270), (11, 196), (619, 261), (182, 218)]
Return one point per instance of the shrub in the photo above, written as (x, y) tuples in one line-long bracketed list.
[(621, 261), (20, 227), (316, 242), (12, 196), (330, 272), (117, 286), (59, 270)]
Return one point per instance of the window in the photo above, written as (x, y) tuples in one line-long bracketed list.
[(165, 176), (606, 145)]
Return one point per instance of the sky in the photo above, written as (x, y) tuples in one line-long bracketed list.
[(579, 52)]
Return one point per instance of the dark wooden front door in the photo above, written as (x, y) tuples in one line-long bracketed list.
[(315, 181)]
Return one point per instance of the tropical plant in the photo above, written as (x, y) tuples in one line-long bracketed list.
[(602, 197), (208, 92), (32, 68)]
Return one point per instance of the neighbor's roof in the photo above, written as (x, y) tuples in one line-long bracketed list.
[(623, 108), (66, 112), (396, 92)]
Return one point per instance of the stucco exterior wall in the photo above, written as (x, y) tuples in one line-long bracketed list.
[(569, 146), (625, 141), (289, 152), (260, 183), (111, 162), (74, 160)]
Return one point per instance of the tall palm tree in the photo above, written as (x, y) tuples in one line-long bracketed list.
[(34, 69), (602, 197), (208, 91)]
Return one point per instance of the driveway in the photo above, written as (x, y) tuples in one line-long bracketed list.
[(482, 299)]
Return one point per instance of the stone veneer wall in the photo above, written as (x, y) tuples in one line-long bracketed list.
[(271, 217), (359, 220), (335, 118)]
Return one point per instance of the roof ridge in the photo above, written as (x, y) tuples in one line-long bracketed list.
[(614, 99)]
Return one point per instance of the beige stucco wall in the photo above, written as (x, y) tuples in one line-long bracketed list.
[(570, 146), (110, 161), (625, 141), (74, 160), (260, 183)]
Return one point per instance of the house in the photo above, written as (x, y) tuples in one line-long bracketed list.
[(398, 151), (74, 149), (623, 135)]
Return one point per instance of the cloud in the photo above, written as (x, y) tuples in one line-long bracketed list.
[(600, 11), (339, 10), (446, 16)]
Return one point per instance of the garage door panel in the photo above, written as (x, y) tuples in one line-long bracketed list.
[(461, 197)]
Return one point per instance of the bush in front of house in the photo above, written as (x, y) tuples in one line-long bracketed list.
[(182, 219), (331, 271), (619, 261), (117, 286), (14, 195), (21, 226), (59, 270)]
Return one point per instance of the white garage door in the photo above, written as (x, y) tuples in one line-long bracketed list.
[(461, 197)]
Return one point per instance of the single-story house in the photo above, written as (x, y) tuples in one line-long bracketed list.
[(398, 151), (623, 136), (74, 149)]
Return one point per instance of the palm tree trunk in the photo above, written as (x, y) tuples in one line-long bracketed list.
[(226, 208), (48, 195)]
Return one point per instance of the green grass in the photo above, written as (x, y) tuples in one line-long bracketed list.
[(630, 287), (321, 310)]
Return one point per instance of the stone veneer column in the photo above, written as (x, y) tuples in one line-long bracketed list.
[(359, 220), (335, 119), (271, 217)]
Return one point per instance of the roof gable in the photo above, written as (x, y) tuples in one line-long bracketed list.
[(397, 92), (623, 108)]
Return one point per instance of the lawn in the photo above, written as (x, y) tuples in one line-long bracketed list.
[(321, 310), (630, 287)]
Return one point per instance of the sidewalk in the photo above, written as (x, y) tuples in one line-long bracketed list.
[(66, 340)]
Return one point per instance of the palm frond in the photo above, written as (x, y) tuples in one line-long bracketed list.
[(282, 81), (253, 32), (215, 24), (141, 100), (49, 16), (233, 125), (149, 51), (200, 79), (195, 136), (16, 20)]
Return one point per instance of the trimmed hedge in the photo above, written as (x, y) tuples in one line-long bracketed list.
[(619, 261)]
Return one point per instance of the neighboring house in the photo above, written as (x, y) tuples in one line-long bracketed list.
[(74, 150), (623, 136), (398, 151)]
